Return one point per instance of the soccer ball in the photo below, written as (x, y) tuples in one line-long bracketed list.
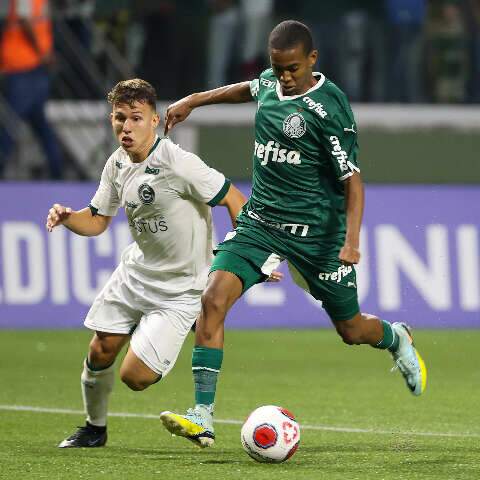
[(270, 434)]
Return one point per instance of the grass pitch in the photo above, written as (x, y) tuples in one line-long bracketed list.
[(358, 420)]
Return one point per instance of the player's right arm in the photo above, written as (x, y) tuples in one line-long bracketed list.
[(179, 111), (82, 222), (94, 219)]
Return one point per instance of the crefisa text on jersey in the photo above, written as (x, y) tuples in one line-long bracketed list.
[(315, 106), (339, 153), (279, 155)]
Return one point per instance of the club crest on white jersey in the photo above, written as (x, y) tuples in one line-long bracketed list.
[(146, 194)]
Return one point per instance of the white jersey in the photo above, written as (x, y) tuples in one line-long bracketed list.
[(167, 200)]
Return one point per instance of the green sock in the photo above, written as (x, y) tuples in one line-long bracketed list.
[(206, 365), (390, 339)]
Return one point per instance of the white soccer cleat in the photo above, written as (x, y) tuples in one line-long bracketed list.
[(408, 360)]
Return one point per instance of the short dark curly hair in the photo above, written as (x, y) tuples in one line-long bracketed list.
[(134, 90), (289, 34)]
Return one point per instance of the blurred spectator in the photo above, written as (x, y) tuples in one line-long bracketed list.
[(25, 56), (223, 32), (159, 20), (363, 51), (473, 19), (257, 22), (350, 38), (326, 24), (448, 53), (405, 25), (78, 16), (172, 58), (3, 14)]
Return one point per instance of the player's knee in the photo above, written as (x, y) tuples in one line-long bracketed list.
[(100, 353), (214, 302), (134, 383)]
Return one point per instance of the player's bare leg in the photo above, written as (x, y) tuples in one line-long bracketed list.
[(223, 290), (396, 338), (97, 383), (135, 374)]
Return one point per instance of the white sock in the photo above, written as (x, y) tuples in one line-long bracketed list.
[(96, 388)]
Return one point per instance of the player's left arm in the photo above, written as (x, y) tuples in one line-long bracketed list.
[(234, 200), (339, 138), (354, 203)]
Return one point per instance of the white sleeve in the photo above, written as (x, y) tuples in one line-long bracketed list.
[(191, 177), (106, 201), (254, 88)]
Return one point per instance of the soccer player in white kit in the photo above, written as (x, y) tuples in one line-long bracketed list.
[(153, 297)]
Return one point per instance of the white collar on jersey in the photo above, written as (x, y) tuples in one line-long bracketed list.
[(321, 81)]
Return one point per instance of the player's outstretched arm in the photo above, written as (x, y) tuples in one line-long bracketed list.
[(179, 111), (354, 199), (82, 222)]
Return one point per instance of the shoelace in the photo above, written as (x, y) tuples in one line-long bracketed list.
[(400, 365), (81, 430)]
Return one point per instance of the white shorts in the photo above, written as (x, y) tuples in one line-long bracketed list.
[(159, 329)]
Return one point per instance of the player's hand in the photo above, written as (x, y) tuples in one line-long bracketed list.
[(349, 255), (275, 277), (57, 215), (177, 112)]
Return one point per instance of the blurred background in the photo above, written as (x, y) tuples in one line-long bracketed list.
[(410, 67), (380, 52)]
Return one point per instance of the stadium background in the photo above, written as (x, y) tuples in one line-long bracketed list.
[(412, 71)]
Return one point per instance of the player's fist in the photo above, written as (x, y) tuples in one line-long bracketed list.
[(275, 277), (349, 254), (57, 215), (177, 112)]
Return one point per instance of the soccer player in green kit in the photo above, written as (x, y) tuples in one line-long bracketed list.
[(306, 207)]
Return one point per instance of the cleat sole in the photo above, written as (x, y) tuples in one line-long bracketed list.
[(423, 374)]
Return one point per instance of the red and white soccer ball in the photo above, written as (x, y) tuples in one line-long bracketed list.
[(270, 434)]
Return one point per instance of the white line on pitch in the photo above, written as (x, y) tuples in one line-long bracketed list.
[(65, 411)]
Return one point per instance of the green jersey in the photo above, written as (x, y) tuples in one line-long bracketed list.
[(305, 146)]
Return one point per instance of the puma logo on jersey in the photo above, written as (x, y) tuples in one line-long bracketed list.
[(352, 130), (118, 164), (316, 107), (152, 171), (271, 152)]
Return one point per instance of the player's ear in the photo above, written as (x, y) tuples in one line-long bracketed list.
[(155, 120), (312, 58)]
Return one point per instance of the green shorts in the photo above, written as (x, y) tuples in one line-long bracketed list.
[(252, 252)]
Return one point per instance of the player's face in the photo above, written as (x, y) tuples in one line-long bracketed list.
[(293, 68), (134, 126)]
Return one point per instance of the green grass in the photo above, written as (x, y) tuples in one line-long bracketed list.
[(324, 382)]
